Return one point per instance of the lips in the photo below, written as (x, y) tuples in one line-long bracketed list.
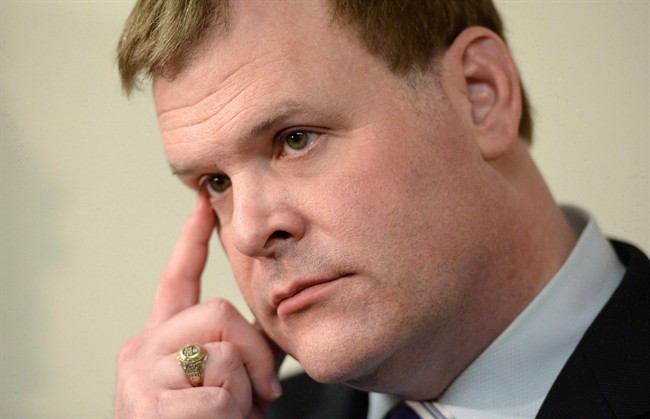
[(302, 294)]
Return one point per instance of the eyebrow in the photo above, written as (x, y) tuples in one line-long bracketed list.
[(275, 117)]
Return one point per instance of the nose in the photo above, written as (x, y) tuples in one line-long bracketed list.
[(265, 219)]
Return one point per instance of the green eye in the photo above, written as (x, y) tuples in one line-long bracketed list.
[(298, 140), (218, 184)]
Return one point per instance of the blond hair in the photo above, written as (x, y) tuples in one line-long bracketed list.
[(160, 36)]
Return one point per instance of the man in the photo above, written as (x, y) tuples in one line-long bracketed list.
[(366, 167)]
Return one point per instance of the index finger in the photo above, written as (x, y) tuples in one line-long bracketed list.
[(180, 280)]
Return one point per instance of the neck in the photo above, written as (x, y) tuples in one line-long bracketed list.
[(529, 241), (534, 240), (541, 235)]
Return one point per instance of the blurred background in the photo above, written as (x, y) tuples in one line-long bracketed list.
[(90, 211)]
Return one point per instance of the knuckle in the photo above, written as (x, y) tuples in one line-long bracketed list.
[(221, 308), (219, 401), (133, 399), (165, 402), (127, 353), (167, 274), (206, 402), (228, 356)]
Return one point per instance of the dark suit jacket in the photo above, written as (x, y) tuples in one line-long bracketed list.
[(607, 375)]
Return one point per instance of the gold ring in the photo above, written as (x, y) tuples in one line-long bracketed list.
[(192, 359)]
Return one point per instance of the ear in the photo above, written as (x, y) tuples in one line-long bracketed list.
[(481, 80)]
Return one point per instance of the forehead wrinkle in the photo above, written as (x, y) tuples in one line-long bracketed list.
[(207, 112), (276, 115), (192, 113), (190, 155)]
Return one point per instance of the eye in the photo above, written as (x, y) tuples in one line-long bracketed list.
[(297, 140), (217, 184)]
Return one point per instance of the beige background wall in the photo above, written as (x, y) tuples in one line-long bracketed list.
[(90, 210)]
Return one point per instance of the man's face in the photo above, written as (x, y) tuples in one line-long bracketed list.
[(351, 206)]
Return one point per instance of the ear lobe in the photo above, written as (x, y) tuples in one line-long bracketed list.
[(490, 87)]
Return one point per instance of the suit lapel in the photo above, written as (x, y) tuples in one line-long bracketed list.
[(608, 374)]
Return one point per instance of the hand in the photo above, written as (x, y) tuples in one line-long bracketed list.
[(240, 373)]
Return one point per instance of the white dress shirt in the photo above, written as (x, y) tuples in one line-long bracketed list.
[(511, 378)]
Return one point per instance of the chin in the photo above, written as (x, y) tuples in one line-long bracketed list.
[(337, 358), (372, 372), (344, 341), (336, 369)]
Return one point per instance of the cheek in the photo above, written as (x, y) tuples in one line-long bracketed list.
[(412, 194), (380, 184)]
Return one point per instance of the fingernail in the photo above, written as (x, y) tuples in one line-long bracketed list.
[(276, 388)]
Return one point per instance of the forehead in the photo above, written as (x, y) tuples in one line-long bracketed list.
[(262, 36), (275, 59)]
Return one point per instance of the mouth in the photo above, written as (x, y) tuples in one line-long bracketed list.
[(303, 294)]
